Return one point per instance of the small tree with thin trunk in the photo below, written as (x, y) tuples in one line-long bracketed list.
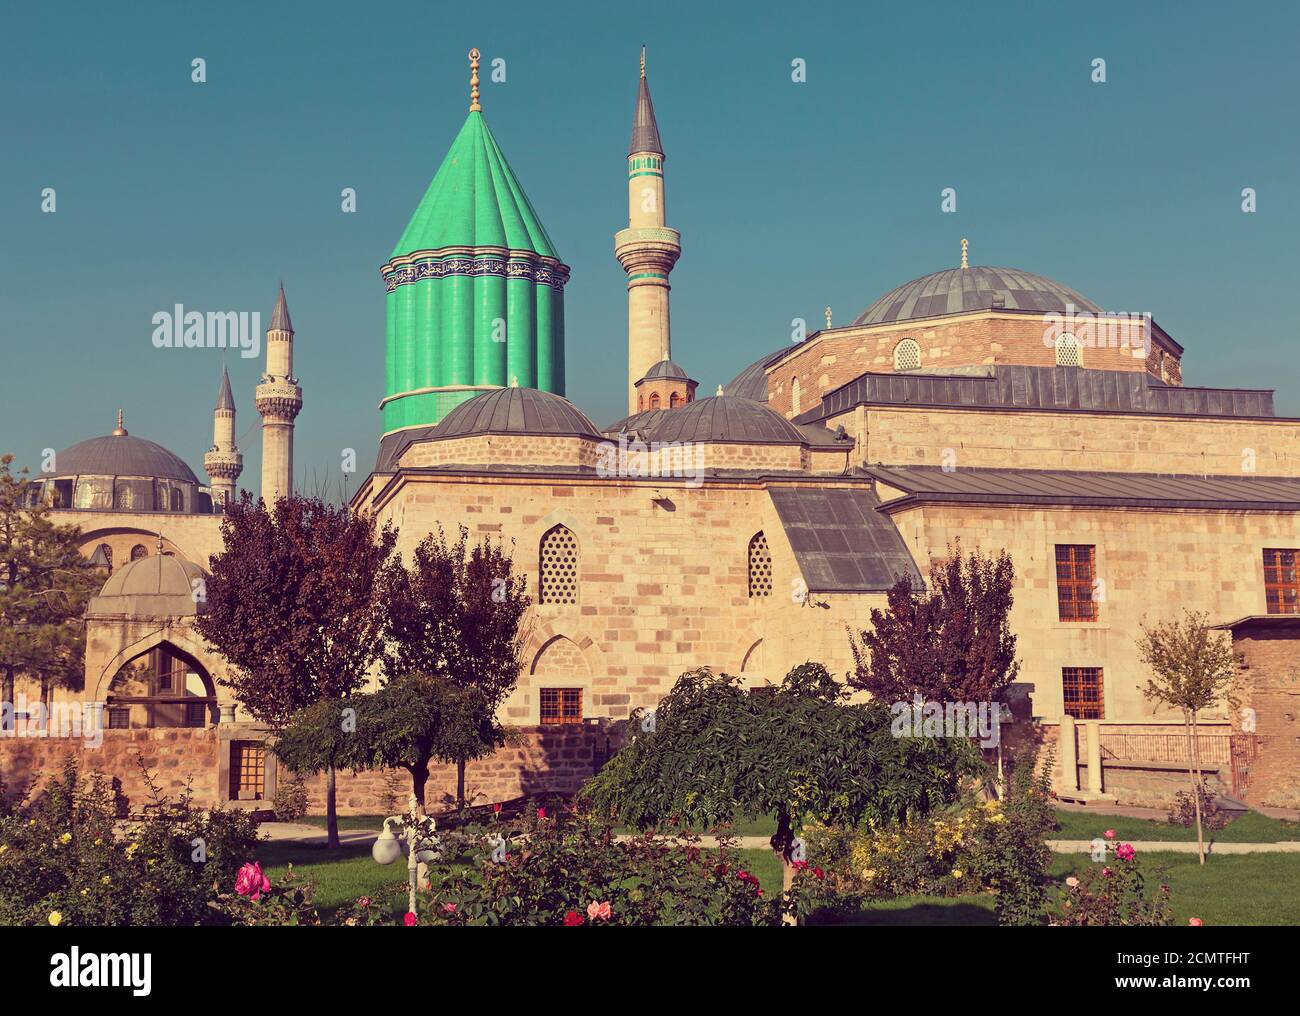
[(458, 611), (1192, 668), (293, 602)]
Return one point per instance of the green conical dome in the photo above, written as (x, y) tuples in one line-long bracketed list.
[(475, 289), (475, 200)]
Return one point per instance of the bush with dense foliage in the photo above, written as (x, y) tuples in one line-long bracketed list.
[(1113, 894), (1183, 810), (62, 862)]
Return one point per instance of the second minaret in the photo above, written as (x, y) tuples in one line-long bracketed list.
[(278, 401), (648, 248)]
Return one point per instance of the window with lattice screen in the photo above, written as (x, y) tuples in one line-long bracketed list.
[(907, 355), (760, 566), (795, 398), (1068, 351), (558, 581)]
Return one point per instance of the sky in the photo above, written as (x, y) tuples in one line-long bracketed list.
[(791, 196)]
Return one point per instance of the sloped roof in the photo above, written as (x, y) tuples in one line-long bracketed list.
[(645, 129)]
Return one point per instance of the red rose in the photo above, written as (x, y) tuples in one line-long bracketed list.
[(798, 865), (410, 920), (720, 870), (496, 809), (572, 919), (819, 873), (541, 814)]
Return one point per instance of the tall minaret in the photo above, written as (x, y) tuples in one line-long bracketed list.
[(647, 249), (224, 462), (278, 401)]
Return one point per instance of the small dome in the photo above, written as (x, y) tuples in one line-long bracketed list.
[(516, 411), (726, 418), (159, 585), (120, 455), (960, 290), (667, 370)]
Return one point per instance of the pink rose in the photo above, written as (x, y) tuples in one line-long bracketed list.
[(410, 920), (496, 809), (1125, 852), (1105, 872), (541, 814), (798, 865), (1195, 922), (1109, 834), (1072, 882), (251, 882), (598, 911), (363, 901), (449, 908)]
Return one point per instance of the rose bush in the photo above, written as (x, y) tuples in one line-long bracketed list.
[(1113, 893)]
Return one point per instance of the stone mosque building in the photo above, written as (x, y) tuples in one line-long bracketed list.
[(747, 530)]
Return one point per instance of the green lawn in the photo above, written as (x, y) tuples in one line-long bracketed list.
[(341, 875), (1252, 827)]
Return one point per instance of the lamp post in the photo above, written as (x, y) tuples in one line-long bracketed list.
[(418, 831)]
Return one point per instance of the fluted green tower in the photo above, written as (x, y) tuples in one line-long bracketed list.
[(475, 287)]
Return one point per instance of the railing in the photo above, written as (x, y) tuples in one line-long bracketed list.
[(1212, 749)]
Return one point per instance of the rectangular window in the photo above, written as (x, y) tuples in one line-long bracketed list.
[(1076, 571), (1282, 581), (119, 719), (561, 705), (1083, 693), (247, 771), (196, 714)]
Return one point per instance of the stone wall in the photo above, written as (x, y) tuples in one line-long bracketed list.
[(1271, 691)]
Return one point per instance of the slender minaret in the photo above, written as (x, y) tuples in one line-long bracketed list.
[(647, 249), (224, 462), (278, 401)]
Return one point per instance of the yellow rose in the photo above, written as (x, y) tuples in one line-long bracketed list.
[(3, 847), (55, 918), (957, 873), (104, 880), (66, 838)]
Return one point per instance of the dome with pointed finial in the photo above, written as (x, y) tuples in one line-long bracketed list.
[(475, 286)]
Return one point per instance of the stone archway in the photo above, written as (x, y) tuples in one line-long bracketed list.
[(178, 637)]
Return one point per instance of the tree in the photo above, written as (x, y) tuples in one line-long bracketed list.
[(952, 643), (45, 584), (715, 752), (457, 612), (1192, 668), (294, 604), (408, 723)]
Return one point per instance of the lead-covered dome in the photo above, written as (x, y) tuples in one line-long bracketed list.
[(725, 418), (120, 455), (961, 290), (516, 411), (160, 585)]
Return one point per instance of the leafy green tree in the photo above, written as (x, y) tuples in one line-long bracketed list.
[(45, 584), (1192, 668), (458, 612), (713, 752), (294, 603), (410, 722)]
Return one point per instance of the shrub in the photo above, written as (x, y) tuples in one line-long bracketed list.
[(291, 798), (256, 901), (1113, 894), (1183, 810), (60, 855)]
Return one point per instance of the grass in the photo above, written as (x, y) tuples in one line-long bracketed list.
[(341, 875), (1252, 827)]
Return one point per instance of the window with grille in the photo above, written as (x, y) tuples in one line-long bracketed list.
[(760, 566), (561, 705), (138, 552), (1082, 692), (247, 771), (558, 582), (119, 719), (1076, 573), (907, 355), (1068, 351), (1282, 581)]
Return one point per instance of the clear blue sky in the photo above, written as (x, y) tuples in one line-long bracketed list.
[(789, 196)]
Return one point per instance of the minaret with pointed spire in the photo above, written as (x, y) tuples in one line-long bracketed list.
[(278, 401), (648, 248), (224, 462)]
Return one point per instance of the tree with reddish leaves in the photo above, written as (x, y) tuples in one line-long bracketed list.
[(294, 604), (950, 643), (457, 613)]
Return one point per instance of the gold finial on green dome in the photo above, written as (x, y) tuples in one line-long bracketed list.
[(474, 107), (965, 252), (119, 430)]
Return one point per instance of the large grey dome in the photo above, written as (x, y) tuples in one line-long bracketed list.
[(516, 411), (120, 455), (751, 383), (959, 290), (725, 418)]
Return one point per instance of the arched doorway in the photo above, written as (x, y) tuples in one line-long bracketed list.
[(162, 687)]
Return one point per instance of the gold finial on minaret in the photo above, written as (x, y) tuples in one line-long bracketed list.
[(643, 60), (474, 107), (965, 252), (119, 431)]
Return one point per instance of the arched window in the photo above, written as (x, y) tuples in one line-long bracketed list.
[(178, 503), (654, 401), (1068, 351), (673, 400), (795, 398), (138, 551), (760, 567), (907, 355), (558, 571)]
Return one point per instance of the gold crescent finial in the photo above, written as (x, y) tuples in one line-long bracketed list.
[(474, 107), (120, 431), (643, 60), (965, 252)]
